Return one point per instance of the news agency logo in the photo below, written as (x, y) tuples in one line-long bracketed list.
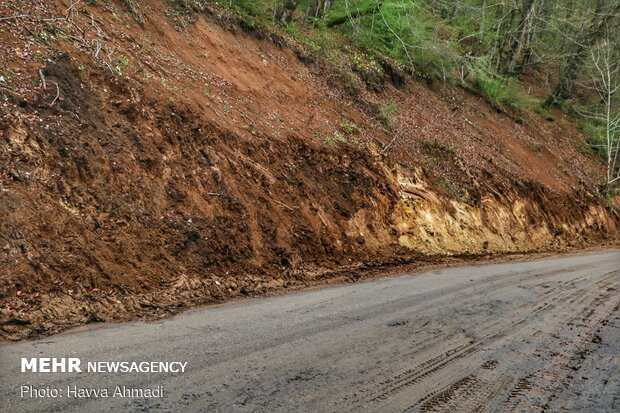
[(51, 365), (74, 365)]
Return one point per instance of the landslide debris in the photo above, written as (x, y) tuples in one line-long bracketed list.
[(148, 168)]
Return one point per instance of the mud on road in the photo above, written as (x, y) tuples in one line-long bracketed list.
[(525, 336)]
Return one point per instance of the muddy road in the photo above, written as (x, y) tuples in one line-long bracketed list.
[(518, 336)]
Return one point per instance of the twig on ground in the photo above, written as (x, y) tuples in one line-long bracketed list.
[(17, 16), (284, 205), (29, 17), (71, 10), (389, 144), (97, 48), (77, 27), (57, 94), (43, 83), (11, 92)]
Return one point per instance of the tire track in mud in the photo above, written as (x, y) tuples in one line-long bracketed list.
[(464, 347), (468, 344), (496, 281), (516, 393), (570, 355), (590, 317), (472, 392)]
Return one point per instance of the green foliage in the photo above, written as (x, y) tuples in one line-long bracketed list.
[(430, 145), (595, 131), (403, 30), (183, 12), (121, 64), (255, 8), (350, 128), (339, 138), (543, 111), (368, 69), (339, 74), (501, 92), (437, 149), (193, 5)]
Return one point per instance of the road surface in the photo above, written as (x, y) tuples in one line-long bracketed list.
[(518, 336)]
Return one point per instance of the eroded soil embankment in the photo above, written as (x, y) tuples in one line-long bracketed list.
[(124, 196)]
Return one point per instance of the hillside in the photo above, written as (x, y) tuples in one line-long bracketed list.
[(148, 168)]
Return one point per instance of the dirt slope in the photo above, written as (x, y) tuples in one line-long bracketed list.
[(145, 169)]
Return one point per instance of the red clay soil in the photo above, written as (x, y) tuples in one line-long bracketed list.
[(163, 167)]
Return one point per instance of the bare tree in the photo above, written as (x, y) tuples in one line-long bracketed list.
[(583, 42), (605, 76), (525, 28)]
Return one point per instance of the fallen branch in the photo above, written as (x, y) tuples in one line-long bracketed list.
[(71, 10), (77, 27), (215, 111), (246, 117), (51, 19), (29, 17), (17, 16), (57, 94), (97, 48), (284, 205), (389, 144), (355, 15), (43, 83), (11, 92)]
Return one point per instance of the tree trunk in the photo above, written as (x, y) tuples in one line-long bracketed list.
[(538, 25), (525, 27), (284, 12), (588, 36), (317, 8), (502, 38)]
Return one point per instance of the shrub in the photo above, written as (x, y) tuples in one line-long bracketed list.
[(595, 131), (404, 31), (500, 92)]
